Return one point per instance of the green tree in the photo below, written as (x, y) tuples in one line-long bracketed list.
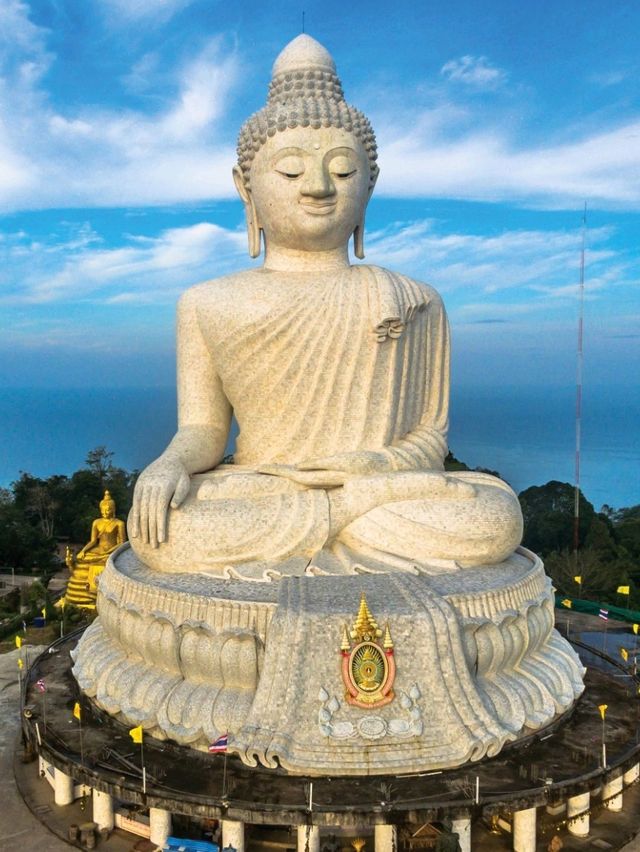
[(599, 582), (23, 545), (98, 461), (626, 528), (37, 511), (548, 517)]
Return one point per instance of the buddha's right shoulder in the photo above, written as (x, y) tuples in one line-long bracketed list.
[(218, 290)]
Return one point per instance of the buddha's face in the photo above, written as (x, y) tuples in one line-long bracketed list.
[(106, 510), (310, 188)]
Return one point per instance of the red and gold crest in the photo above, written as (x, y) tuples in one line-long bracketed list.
[(368, 665)]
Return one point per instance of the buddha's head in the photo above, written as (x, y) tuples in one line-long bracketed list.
[(307, 160), (107, 506)]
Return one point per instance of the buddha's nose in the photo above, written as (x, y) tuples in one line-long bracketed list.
[(318, 182)]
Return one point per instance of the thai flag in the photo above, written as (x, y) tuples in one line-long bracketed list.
[(604, 614), (40, 685), (219, 745)]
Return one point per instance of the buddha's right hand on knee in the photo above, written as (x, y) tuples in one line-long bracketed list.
[(165, 482)]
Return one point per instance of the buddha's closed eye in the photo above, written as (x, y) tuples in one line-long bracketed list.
[(290, 167)]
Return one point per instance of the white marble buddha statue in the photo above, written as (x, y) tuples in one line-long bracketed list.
[(338, 376)]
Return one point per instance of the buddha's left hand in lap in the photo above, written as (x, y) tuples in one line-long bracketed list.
[(362, 463), (370, 485)]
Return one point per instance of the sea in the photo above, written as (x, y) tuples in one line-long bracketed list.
[(527, 434)]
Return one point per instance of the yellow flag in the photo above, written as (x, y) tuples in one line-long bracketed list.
[(136, 734), (624, 654), (623, 590), (603, 709), (18, 642), (566, 602), (20, 663), (76, 710), (578, 579), (635, 628), (44, 611)]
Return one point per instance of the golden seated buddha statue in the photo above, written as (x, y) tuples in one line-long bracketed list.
[(107, 533)]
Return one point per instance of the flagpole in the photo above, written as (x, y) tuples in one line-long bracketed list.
[(224, 776), (144, 769), (81, 741), (20, 664)]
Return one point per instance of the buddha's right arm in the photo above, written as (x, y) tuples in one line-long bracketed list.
[(95, 536), (204, 418)]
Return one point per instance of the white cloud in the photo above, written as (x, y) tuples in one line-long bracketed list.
[(176, 147), (144, 270), (528, 267), (92, 156), (533, 264), (608, 78), (144, 73), (474, 71), (22, 41), (603, 168)]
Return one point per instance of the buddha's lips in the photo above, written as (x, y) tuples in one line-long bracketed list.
[(318, 208)]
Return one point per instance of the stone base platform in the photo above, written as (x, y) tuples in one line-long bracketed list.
[(191, 657), (551, 783)]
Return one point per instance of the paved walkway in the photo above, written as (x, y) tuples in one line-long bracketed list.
[(20, 831), (21, 828)]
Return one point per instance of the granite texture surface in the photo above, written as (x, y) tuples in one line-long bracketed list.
[(232, 612), (191, 657)]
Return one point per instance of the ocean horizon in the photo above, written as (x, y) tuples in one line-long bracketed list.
[(527, 434)]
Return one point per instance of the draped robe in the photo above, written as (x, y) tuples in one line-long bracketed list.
[(312, 366)]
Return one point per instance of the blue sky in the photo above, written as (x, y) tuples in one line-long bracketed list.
[(495, 123)]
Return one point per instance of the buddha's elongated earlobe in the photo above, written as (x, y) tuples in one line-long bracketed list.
[(358, 239), (358, 233), (253, 227)]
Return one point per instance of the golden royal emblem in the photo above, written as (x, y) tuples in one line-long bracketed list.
[(368, 667)]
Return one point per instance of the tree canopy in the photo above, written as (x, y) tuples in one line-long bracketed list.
[(608, 555), (36, 513)]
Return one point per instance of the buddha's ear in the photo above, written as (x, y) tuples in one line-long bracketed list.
[(358, 233), (253, 227)]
